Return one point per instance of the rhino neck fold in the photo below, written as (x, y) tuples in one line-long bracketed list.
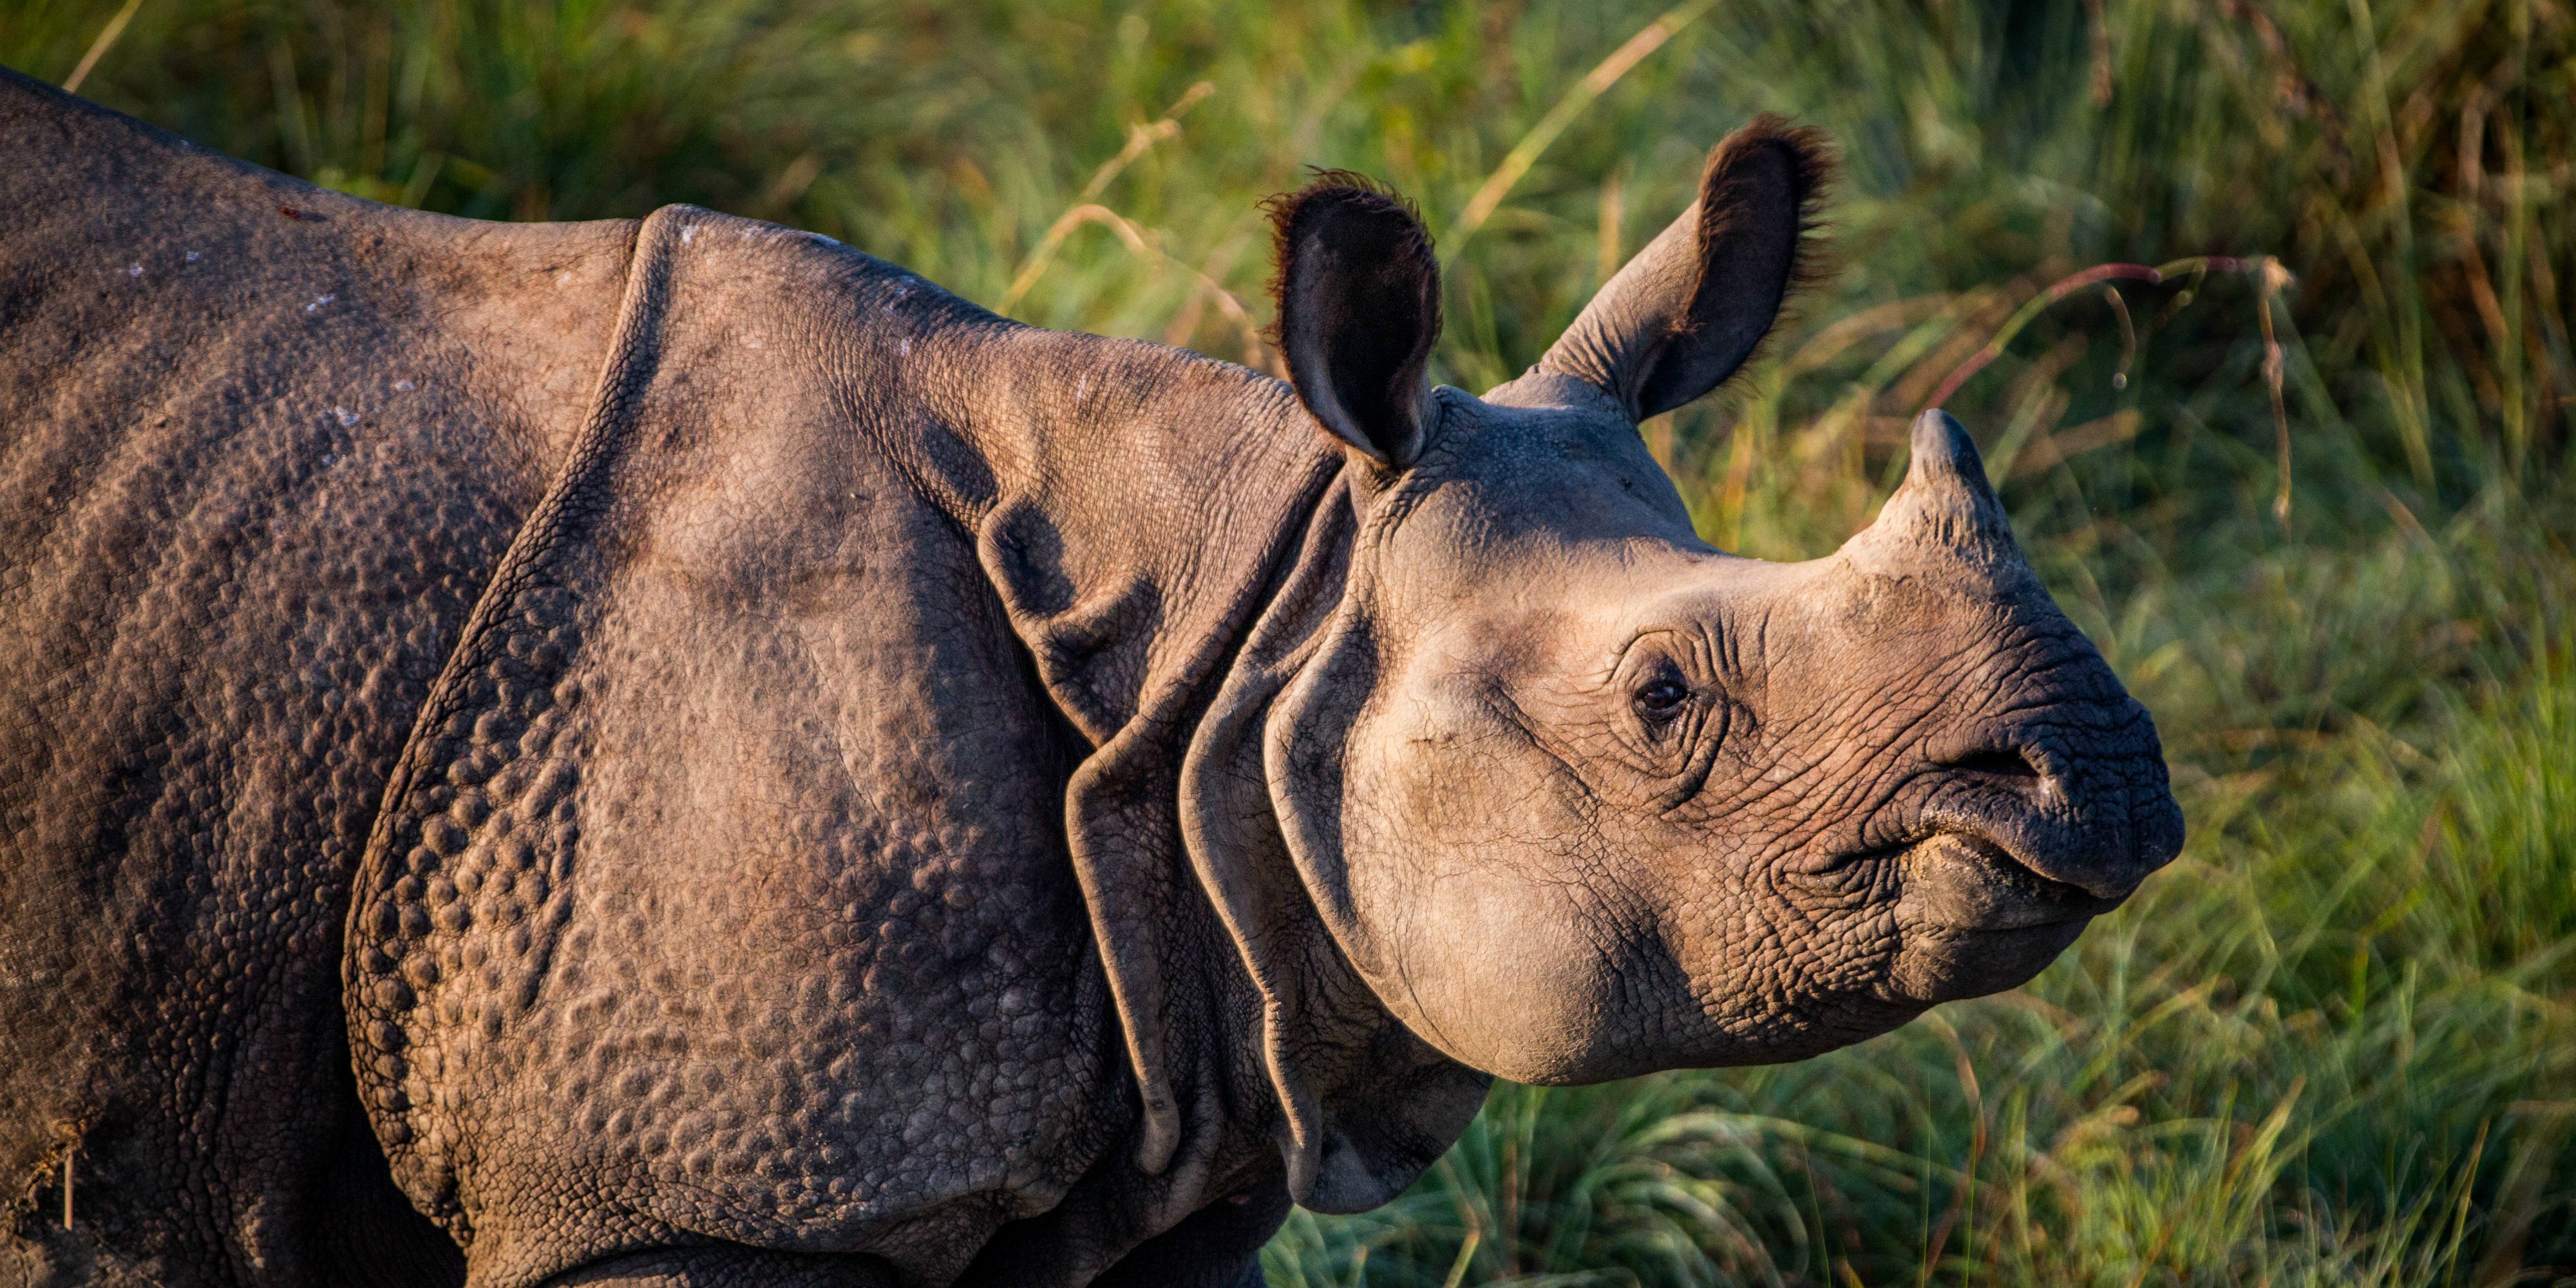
[(1172, 537), (1169, 535), (1364, 1105), (1131, 502)]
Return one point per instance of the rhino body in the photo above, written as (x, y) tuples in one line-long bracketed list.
[(674, 752)]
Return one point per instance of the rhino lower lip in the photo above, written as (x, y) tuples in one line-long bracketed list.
[(1966, 882)]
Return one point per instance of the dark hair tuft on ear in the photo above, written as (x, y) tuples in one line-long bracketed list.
[(1691, 307), (1809, 154), (1358, 289), (1348, 188)]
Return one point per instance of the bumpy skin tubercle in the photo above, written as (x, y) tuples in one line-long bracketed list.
[(675, 753)]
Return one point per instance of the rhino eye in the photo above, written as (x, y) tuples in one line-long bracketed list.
[(1661, 697)]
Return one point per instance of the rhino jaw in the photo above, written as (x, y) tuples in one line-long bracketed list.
[(1975, 920)]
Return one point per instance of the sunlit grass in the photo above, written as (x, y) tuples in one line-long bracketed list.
[(2333, 1044)]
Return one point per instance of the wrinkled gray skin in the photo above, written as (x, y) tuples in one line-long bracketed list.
[(676, 753)]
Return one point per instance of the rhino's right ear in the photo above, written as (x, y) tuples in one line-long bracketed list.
[(1692, 306), (1359, 309)]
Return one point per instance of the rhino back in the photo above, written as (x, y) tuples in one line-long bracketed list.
[(260, 446)]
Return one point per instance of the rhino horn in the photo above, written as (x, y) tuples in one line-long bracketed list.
[(1945, 509)]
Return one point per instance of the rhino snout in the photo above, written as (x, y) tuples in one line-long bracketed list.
[(2095, 820)]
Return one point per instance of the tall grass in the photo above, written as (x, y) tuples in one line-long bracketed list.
[(2333, 1044)]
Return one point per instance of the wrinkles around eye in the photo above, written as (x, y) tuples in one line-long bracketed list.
[(1596, 735)]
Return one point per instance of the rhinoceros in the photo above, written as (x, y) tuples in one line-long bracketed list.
[(673, 752)]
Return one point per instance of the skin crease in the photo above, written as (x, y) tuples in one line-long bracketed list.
[(672, 753)]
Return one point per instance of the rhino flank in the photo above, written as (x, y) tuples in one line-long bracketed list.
[(672, 752)]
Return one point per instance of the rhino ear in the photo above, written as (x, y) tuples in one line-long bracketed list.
[(1359, 309), (1692, 306)]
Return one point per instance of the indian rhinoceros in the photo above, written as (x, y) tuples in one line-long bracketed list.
[(673, 752)]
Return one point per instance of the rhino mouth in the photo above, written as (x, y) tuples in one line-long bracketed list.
[(1959, 881)]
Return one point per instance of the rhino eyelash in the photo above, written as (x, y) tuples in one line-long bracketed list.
[(1661, 701)]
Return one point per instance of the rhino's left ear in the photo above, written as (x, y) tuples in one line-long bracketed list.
[(1359, 309), (1693, 304)]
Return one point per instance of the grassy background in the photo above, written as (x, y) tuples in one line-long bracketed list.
[(2334, 1043)]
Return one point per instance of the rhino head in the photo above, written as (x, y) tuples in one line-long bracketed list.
[(1580, 796)]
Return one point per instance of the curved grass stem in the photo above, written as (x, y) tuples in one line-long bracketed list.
[(2271, 279), (1524, 154)]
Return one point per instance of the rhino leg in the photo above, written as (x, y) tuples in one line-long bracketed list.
[(728, 1267), (370, 1234), (1219, 1246)]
